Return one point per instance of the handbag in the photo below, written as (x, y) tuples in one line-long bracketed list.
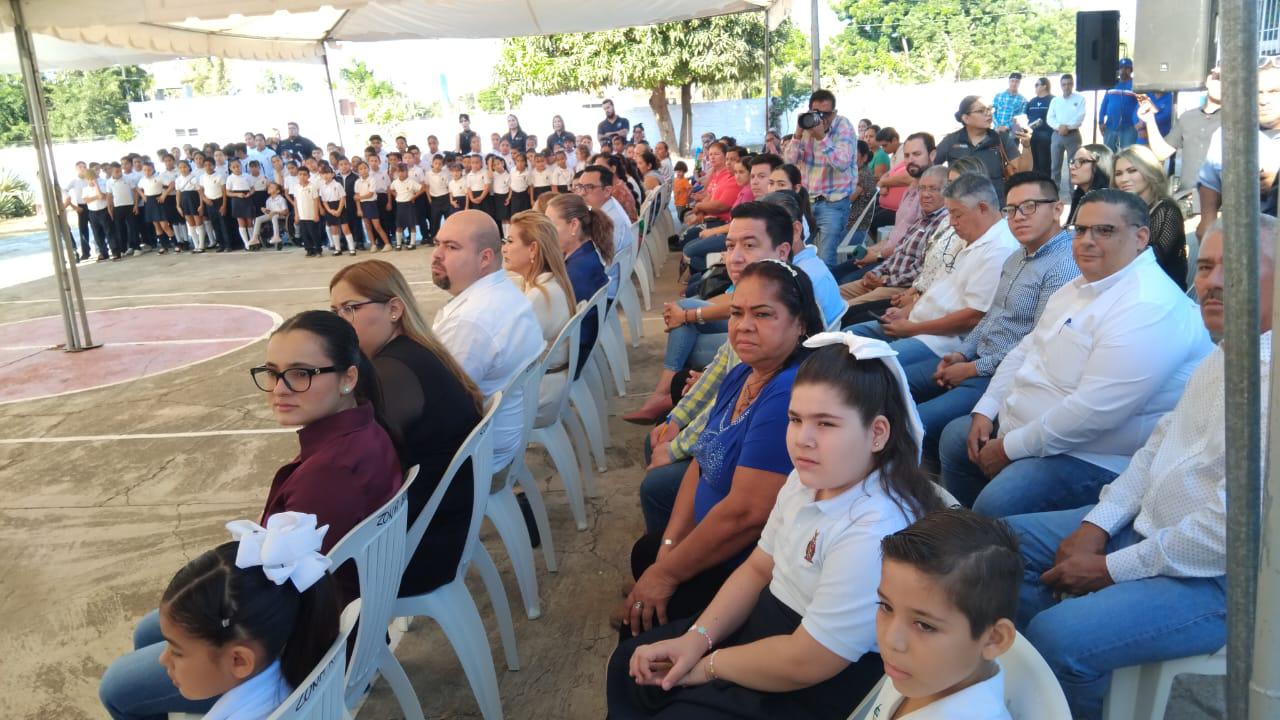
[(715, 281), (1006, 166)]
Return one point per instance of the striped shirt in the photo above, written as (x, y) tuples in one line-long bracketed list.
[(1026, 283), (1004, 106), (903, 264), (829, 165)]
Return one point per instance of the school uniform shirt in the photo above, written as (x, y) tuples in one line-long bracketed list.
[(187, 183), (330, 191), (304, 198), (258, 183), (291, 186), (971, 284), (437, 184), (263, 157), (253, 699), (212, 185), (238, 183), (365, 186), (121, 191), (457, 187), (222, 170), (520, 180), (75, 191), (151, 186), (95, 195), (501, 183), (381, 182), (980, 701), (823, 552), (1104, 363), (477, 181), (132, 177), (405, 190), (560, 175), (278, 205), (541, 178), (168, 176)]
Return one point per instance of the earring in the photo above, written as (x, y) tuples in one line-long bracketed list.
[(346, 390)]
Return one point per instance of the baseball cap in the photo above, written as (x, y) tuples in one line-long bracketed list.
[(1126, 62), (1015, 76)]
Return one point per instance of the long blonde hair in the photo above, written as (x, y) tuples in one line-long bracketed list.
[(380, 281), (537, 231), (1148, 166)]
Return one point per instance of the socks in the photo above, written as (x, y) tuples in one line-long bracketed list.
[(244, 235), (351, 243), (181, 232), (198, 233)]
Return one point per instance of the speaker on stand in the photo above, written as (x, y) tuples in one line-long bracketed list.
[(1097, 53)]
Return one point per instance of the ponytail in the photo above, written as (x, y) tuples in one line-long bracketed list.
[(597, 226), (217, 602)]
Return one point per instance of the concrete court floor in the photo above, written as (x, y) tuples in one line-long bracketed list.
[(91, 531)]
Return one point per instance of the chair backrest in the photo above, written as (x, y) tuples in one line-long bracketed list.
[(376, 546), (948, 500), (570, 337), (478, 449), (1031, 691), (524, 385), (847, 240), (600, 301), (320, 695)]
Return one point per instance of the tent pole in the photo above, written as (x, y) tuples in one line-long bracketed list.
[(1240, 206), (333, 100), (74, 319), (768, 79), (814, 52)]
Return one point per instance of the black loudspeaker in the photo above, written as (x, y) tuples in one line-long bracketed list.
[(1173, 44), (1097, 49)]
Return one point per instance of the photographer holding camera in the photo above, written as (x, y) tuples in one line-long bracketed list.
[(824, 148)]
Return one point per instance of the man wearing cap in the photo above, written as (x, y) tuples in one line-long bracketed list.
[(1008, 104), (1118, 114)]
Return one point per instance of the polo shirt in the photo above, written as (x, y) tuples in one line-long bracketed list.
[(1191, 134), (825, 288), (611, 126), (980, 701)]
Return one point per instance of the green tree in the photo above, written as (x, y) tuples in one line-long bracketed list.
[(82, 104), (15, 124), (707, 52), (923, 40), (491, 100), (208, 76), (273, 82), (379, 101)]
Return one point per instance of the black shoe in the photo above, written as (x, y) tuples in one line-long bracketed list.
[(279, 246), (535, 538)]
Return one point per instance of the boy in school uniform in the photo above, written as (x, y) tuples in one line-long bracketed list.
[(457, 188), (541, 176), (382, 177), (561, 175), (438, 196), (477, 184), (124, 213), (347, 178), (948, 595), (406, 191), (306, 207), (421, 208)]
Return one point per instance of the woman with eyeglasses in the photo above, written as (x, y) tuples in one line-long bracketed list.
[(1139, 171), (316, 379), (1090, 169), (430, 406), (976, 138)]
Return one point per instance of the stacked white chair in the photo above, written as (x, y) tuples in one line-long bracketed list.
[(580, 396), (320, 696), (643, 266), (1141, 692), (627, 296)]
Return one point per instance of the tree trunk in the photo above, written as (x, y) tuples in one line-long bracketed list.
[(661, 111), (686, 120)]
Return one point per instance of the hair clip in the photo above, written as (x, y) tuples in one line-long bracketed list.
[(791, 269), (288, 548)]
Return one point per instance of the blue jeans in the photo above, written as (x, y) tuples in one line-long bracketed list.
[(696, 248), (1120, 138), (1028, 485), (831, 216), (137, 687), (658, 491), (938, 406), (694, 345), (1130, 623), (910, 350)]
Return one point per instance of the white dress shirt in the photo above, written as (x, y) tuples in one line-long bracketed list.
[(492, 332), (1174, 490), (1104, 362), (253, 699), (980, 701), (1066, 110), (971, 284), (94, 195), (824, 552), (552, 310), (75, 191), (263, 157), (621, 241)]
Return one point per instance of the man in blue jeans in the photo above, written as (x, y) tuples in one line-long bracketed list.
[(1118, 114), (827, 157), (1078, 396), (1139, 577), (949, 388)]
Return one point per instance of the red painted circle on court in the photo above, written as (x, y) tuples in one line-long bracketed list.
[(136, 342)]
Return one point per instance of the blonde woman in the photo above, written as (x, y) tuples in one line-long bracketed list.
[(429, 402), (1139, 171), (532, 253)]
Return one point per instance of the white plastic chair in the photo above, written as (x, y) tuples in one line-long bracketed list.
[(502, 508), (320, 695), (1141, 692), (847, 246), (580, 392), (1031, 692), (643, 266), (627, 297), (451, 604), (549, 429)]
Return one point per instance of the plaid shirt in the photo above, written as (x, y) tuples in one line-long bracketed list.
[(1004, 106), (829, 165), (903, 264), (1026, 282), (692, 411), (939, 258)]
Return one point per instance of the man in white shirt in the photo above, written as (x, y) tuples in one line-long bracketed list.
[(592, 184), (1066, 115), (1078, 396), (935, 324), (489, 325), (1143, 570)]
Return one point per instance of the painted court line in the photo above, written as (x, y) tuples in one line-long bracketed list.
[(322, 288), (188, 341), (142, 436)]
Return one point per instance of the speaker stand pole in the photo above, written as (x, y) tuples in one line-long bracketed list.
[(1095, 117)]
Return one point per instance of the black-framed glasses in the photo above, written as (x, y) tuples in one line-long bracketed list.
[(1100, 232), (1026, 208), (348, 310), (296, 379), (1077, 162), (584, 187), (980, 111)]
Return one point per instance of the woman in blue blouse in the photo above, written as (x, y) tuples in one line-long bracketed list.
[(740, 461), (586, 238)]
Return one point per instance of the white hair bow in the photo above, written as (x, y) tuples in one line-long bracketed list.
[(863, 348), (288, 548)]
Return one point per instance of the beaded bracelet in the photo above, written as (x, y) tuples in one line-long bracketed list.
[(711, 666), (703, 632)]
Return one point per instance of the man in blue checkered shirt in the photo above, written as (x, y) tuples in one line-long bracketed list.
[(948, 389), (1008, 104)]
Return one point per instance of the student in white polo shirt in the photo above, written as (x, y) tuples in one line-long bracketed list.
[(437, 196), (521, 188), (366, 197), (124, 214), (96, 199), (306, 206), (936, 323), (1075, 399), (792, 633), (561, 175)]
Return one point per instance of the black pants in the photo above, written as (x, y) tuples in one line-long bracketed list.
[(693, 595), (1040, 160), (438, 210), (82, 220), (355, 224), (100, 221), (422, 210), (312, 239), (832, 699), (862, 312), (125, 225), (388, 218)]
